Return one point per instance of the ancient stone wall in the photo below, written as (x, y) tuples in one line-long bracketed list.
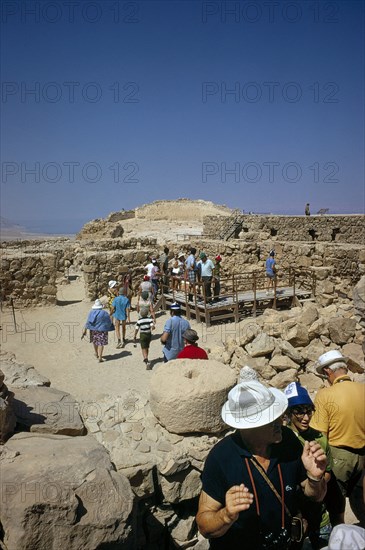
[(28, 279), (339, 229)]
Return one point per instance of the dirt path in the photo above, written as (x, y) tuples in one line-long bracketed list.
[(49, 339)]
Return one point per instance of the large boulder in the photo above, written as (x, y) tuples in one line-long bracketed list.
[(187, 395), (21, 375), (262, 345), (341, 329), (47, 410), (356, 357), (7, 415), (63, 492)]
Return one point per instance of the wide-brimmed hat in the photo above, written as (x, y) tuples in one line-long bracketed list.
[(175, 306), (251, 405), (297, 395), (346, 536), (181, 255), (97, 305), (190, 335), (112, 284), (328, 358)]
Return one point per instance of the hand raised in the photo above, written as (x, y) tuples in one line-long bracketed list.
[(314, 459), (238, 499)]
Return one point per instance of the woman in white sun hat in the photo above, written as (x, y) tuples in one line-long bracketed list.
[(250, 477), (99, 324)]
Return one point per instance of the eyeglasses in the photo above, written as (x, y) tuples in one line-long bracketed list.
[(300, 413)]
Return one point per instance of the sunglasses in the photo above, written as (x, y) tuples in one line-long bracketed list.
[(300, 413)]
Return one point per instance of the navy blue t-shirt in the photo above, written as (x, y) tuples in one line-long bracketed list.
[(225, 466)]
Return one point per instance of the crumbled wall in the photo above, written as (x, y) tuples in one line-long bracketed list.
[(29, 279), (339, 229)]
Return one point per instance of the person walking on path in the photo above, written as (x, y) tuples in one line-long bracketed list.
[(249, 481), (270, 266), (113, 290), (99, 324), (320, 517), (144, 324), (173, 331), (121, 313), (144, 301), (340, 415), (191, 349), (307, 210)]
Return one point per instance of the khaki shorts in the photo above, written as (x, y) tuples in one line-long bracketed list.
[(347, 467)]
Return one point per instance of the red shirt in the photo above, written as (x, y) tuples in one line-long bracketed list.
[(192, 352)]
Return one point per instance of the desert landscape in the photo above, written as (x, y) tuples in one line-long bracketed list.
[(109, 455)]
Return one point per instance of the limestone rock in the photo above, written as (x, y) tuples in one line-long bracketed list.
[(249, 329), (21, 375), (187, 395), (287, 349), (282, 379), (297, 336), (313, 350), (47, 410), (358, 297), (318, 328), (62, 492), (180, 486), (7, 415), (341, 329), (282, 362), (308, 315), (356, 357), (311, 381), (262, 345)]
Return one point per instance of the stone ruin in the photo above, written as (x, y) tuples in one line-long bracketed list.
[(125, 472)]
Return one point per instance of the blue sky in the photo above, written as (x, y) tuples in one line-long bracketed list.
[(109, 104)]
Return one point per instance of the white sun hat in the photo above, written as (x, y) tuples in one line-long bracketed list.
[(112, 284), (251, 405), (328, 358), (97, 305), (346, 536)]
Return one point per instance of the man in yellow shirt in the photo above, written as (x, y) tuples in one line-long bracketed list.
[(340, 415)]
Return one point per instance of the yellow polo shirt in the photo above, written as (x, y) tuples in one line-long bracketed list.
[(340, 413)]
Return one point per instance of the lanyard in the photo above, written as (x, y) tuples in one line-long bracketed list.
[(280, 498)]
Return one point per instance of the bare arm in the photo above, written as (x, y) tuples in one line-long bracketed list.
[(164, 337), (214, 519)]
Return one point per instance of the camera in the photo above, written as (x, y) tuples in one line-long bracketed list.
[(278, 541)]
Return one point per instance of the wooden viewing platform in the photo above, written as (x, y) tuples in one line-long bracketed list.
[(241, 295)]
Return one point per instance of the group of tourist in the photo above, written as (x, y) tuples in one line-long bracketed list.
[(267, 485)]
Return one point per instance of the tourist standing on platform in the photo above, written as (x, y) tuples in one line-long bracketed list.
[(248, 499), (144, 324), (270, 266), (121, 313), (99, 324), (217, 277), (164, 268), (340, 415), (205, 267), (177, 271), (307, 210), (191, 272), (173, 331), (191, 349)]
